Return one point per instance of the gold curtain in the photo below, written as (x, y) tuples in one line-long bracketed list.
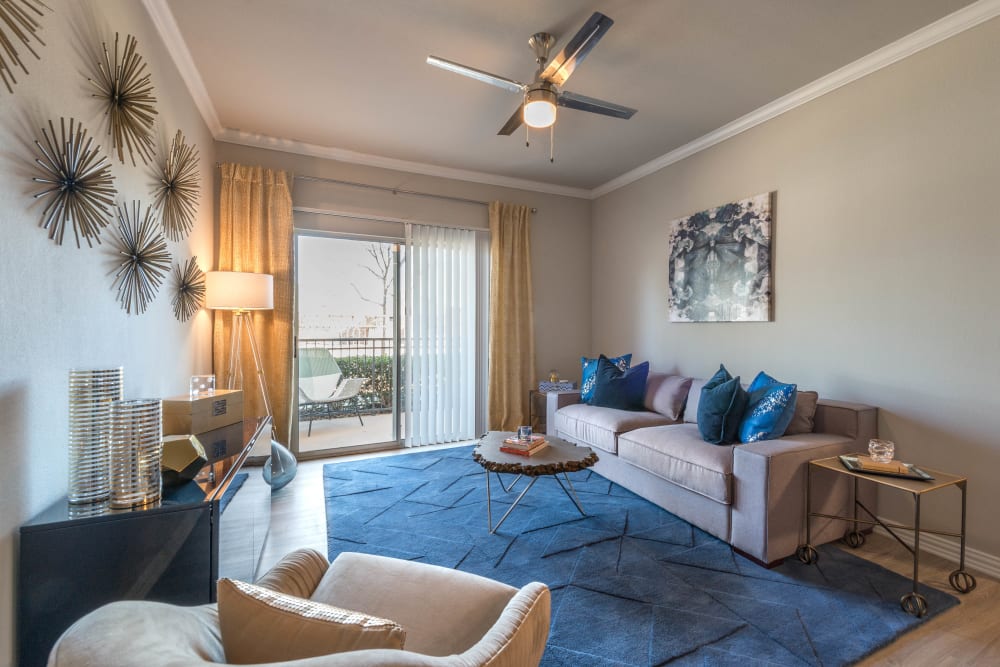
[(255, 235), (512, 325)]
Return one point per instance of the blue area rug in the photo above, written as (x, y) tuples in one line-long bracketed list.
[(631, 583)]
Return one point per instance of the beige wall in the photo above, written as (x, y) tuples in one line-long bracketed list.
[(59, 311), (560, 234), (885, 270)]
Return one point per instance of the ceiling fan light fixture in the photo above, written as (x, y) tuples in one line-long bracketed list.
[(540, 108)]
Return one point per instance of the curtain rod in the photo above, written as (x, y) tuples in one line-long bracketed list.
[(378, 218), (395, 191)]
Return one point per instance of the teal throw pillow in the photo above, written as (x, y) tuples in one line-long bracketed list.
[(770, 410), (720, 408), (590, 370), (615, 388)]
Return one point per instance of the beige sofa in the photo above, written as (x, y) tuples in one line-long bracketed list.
[(451, 619), (750, 495)]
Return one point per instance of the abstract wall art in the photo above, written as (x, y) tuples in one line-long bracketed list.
[(145, 260), (189, 293), (720, 263), (176, 195), (18, 23)]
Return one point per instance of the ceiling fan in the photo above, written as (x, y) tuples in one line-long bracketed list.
[(542, 96)]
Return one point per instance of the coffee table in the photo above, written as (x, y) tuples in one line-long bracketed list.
[(559, 457)]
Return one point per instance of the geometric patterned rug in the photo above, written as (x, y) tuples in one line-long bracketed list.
[(631, 583)]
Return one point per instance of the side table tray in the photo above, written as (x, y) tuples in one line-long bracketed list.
[(913, 603)]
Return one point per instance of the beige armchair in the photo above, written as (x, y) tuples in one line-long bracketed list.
[(451, 618)]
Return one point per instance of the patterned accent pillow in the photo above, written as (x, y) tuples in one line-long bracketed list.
[(720, 408), (261, 625), (588, 376), (770, 410)]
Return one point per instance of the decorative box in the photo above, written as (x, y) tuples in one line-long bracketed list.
[(186, 415), (561, 385)]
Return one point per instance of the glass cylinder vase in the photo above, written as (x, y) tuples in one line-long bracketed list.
[(91, 392), (136, 452)]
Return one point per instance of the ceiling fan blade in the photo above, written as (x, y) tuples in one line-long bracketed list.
[(478, 74), (594, 105), (561, 67), (513, 122)]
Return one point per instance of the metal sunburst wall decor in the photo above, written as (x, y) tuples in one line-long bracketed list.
[(128, 94), (146, 260), (177, 192), (80, 190), (190, 293), (18, 24)]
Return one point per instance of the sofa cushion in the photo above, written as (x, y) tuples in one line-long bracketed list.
[(720, 410), (666, 394), (769, 410), (615, 388), (803, 421), (260, 625), (694, 398), (600, 427), (678, 454), (589, 370)]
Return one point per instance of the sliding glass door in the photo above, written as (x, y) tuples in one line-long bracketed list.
[(348, 351)]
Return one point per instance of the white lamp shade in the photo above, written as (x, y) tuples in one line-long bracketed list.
[(236, 290)]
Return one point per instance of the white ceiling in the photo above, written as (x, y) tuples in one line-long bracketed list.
[(350, 75)]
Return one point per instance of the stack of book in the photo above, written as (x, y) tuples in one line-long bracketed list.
[(520, 447)]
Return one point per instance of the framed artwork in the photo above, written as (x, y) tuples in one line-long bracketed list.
[(720, 263)]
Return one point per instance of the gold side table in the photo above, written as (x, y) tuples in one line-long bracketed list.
[(913, 603)]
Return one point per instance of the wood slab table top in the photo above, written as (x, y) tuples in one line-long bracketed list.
[(559, 456)]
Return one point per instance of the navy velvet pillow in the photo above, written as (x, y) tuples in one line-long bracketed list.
[(770, 410), (615, 388), (590, 369), (720, 408)]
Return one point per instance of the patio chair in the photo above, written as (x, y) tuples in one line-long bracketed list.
[(321, 388)]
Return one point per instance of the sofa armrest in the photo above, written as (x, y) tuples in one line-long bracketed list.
[(298, 573), (768, 517), (558, 399)]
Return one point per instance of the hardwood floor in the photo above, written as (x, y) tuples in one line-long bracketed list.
[(968, 634)]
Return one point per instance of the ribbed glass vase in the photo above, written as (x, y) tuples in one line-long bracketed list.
[(91, 392), (136, 452)]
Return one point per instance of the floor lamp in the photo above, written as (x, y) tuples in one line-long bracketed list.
[(241, 293)]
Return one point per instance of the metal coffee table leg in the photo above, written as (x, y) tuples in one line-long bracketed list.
[(510, 509), (572, 496)]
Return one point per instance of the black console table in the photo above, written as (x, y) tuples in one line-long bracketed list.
[(75, 558)]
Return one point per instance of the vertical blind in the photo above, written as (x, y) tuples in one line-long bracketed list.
[(440, 349)]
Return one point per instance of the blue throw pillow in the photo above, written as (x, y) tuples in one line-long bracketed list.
[(720, 408), (615, 388), (590, 369), (770, 410)]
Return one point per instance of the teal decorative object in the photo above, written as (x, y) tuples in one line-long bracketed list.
[(280, 467)]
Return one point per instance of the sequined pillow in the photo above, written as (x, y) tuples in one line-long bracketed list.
[(260, 625), (770, 410), (589, 374)]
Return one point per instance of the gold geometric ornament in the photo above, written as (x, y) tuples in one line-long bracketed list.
[(81, 189), (125, 88), (146, 260), (17, 23), (177, 193), (190, 291)]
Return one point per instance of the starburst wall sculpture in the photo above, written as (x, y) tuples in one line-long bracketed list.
[(177, 193), (190, 293), (80, 190), (146, 260), (125, 88), (17, 24)]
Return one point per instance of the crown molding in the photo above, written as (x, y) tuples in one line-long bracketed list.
[(166, 26), (949, 26), (343, 155)]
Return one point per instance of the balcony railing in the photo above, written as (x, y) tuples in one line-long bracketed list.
[(371, 358)]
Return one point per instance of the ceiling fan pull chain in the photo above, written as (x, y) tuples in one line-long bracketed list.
[(527, 135), (552, 143)]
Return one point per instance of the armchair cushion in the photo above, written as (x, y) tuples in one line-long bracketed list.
[(259, 625)]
